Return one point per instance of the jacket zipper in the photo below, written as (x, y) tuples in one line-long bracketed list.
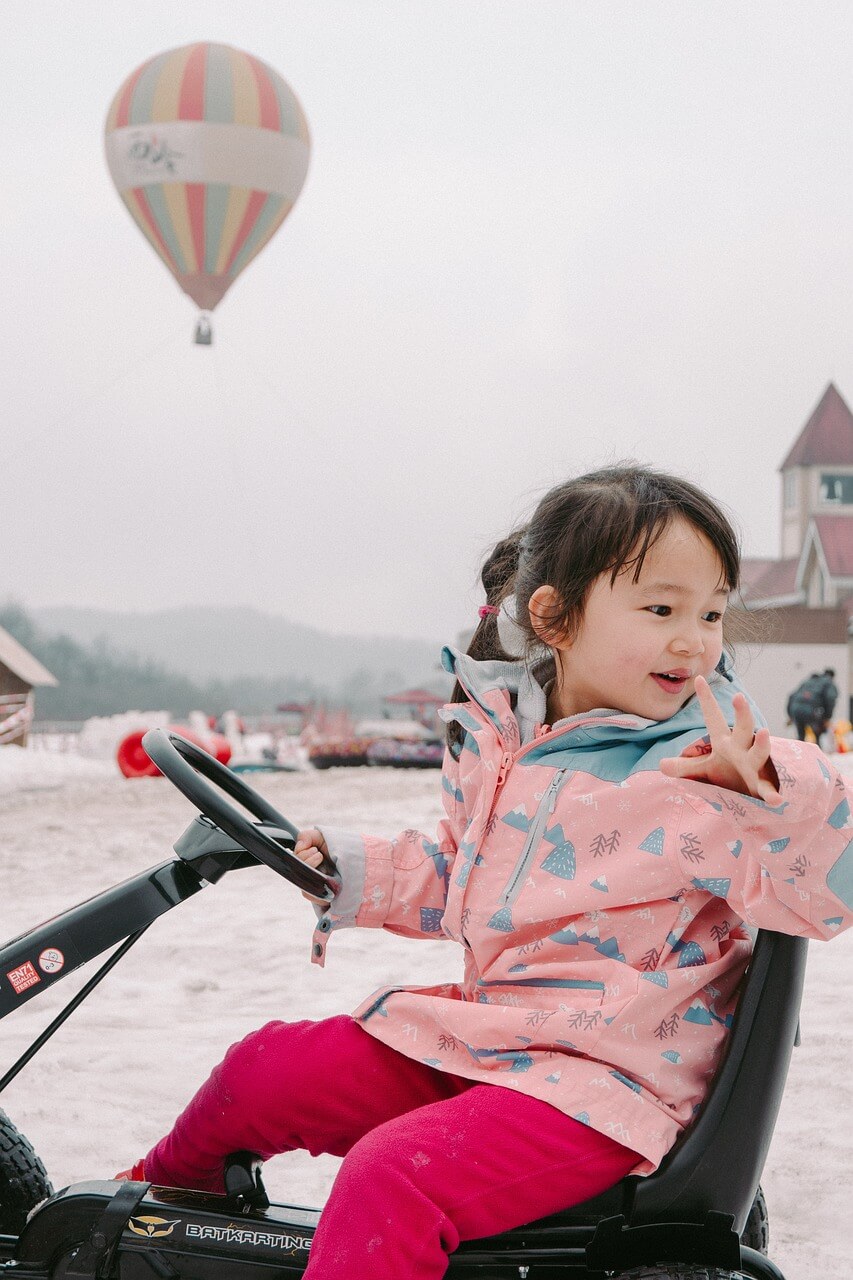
[(506, 762), (503, 769), (537, 827)]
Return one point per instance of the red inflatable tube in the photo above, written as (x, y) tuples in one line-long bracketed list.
[(134, 763), (220, 747)]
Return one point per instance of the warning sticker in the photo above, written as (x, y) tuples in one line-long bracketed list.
[(51, 960), (23, 977)]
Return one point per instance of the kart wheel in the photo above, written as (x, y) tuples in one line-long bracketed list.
[(756, 1233), (678, 1272), (23, 1178)]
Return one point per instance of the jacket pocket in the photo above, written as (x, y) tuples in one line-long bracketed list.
[(568, 1014), (538, 824)]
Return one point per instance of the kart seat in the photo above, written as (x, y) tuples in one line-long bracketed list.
[(716, 1165)]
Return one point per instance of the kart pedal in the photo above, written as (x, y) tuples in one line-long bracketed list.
[(94, 1257), (243, 1183)]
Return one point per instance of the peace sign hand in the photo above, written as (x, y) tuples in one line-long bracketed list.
[(736, 758)]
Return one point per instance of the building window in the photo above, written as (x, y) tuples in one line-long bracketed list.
[(790, 489), (836, 488)]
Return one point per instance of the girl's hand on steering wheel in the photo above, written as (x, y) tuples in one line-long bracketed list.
[(737, 758), (311, 848)]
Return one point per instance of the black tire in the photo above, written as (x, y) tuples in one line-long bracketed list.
[(679, 1272), (756, 1233), (23, 1178)]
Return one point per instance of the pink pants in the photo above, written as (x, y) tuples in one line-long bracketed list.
[(430, 1158)]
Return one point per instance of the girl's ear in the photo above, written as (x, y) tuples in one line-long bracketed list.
[(545, 609)]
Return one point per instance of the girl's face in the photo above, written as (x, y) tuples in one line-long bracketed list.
[(641, 644)]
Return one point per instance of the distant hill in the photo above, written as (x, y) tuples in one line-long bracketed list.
[(220, 643), (187, 659)]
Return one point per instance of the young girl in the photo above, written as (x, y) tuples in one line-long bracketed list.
[(614, 821)]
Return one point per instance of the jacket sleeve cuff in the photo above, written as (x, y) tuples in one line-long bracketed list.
[(366, 872), (347, 853), (346, 850)]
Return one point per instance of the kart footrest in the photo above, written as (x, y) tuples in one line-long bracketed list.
[(94, 1259), (618, 1247)]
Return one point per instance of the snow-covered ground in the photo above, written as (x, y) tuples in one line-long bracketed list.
[(113, 1078)]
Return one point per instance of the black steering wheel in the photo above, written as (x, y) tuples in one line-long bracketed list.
[(187, 766)]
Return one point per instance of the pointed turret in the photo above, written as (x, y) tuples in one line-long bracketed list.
[(817, 474), (827, 437)]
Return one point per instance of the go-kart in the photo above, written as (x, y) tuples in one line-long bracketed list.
[(700, 1215)]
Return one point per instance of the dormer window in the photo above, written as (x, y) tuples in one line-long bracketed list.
[(836, 489)]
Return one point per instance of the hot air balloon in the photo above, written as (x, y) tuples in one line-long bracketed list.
[(208, 147)]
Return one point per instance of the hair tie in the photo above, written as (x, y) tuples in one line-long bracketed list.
[(486, 609)]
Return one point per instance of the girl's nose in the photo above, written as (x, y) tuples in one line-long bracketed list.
[(688, 641)]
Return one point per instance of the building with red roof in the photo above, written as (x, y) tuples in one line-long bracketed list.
[(803, 601), (816, 566)]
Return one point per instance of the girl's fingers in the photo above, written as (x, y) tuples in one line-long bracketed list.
[(767, 792), (760, 749), (711, 710), (738, 758), (744, 726), (684, 767), (310, 838), (310, 835), (768, 779)]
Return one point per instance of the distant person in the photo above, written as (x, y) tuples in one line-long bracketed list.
[(597, 863), (830, 694), (811, 704)]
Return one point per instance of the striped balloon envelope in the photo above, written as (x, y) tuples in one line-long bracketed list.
[(208, 148)]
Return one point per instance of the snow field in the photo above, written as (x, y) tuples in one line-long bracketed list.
[(115, 1075)]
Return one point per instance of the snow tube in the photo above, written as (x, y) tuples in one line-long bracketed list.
[(134, 762), (219, 747)]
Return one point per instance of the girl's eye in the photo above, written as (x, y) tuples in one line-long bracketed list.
[(664, 611)]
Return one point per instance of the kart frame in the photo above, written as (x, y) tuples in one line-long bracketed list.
[(691, 1212)]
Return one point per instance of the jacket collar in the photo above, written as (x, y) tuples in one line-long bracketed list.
[(500, 687)]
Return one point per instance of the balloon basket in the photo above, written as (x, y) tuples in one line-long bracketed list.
[(203, 332)]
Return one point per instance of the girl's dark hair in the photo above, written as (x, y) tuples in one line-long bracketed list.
[(498, 578), (603, 522), (606, 522)]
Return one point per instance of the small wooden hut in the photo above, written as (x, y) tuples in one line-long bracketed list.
[(20, 674)]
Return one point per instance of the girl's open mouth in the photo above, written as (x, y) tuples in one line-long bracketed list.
[(670, 683)]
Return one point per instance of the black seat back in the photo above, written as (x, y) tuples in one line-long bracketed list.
[(717, 1163)]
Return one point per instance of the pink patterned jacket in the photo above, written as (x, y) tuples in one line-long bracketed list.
[(601, 907)]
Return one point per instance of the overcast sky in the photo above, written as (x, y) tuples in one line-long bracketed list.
[(536, 236)]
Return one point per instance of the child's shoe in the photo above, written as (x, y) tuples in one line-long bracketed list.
[(136, 1173)]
